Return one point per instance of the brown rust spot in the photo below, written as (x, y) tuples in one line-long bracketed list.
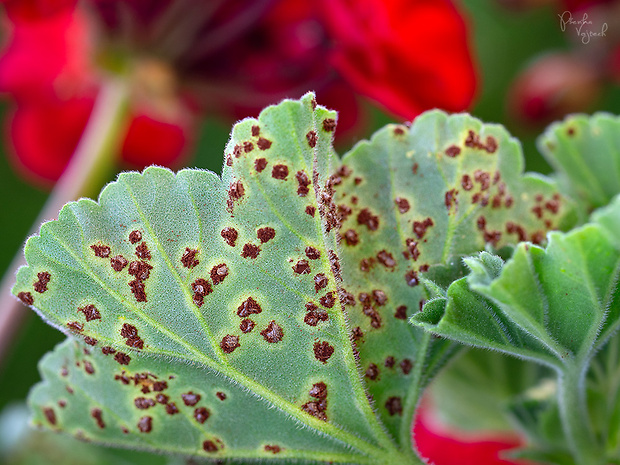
[(229, 343), (402, 204), (411, 277), (118, 263), (142, 251), (90, 340), (386, 259), (230, 235), (372, 372), (401, 313), (312, 253), (90, 312), (248, 307), (138, 289), (450, 199), (311, 137), (394, 406), (260, 164), (100, 250), (320, 282), (406, 366), (250, 251), (420, 227), (412, 249), (135, 236), (122, 358), (263, 143), (189, 259), (50, 415), (316, 409), (162, 399), (301, 267), (398, 131), (107, 350), (219, 273), (323, 351), (483, 178), (248, 146), (389, 362), (453, 151), (145, 424), (272, 448), (414, 168), (512, 228), (89, 368), (171, 408), (379, 297), (41, 285), (328, 300), (201, 414), (246, 326), (220, 395), (371, 221), (143, 403), (201, 288), (26, 298), (130, 333), (76, 326), (273, 332), (351, 237), (279, 172), (467, 183), (209, 446), (318, 390), (140, 270), (255, 131), (329, 124), (492, 237), (190, 398), (304, 182), (310, 210)]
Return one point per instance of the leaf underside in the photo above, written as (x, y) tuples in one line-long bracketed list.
[(219, 313)]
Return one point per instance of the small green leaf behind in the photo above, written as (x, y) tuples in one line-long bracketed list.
[(585, 150)]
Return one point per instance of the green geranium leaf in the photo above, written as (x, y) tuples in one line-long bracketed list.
[(255, 284), (585, 150)]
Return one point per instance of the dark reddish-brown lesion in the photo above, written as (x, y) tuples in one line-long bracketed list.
[(43, 278), (273, 333), (189, 260)]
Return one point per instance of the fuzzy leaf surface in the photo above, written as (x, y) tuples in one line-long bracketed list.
[(252, 283), (414, 200), (585, 150)]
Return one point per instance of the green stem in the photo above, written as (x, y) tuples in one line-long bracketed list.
[(88, 169), (574, 414)]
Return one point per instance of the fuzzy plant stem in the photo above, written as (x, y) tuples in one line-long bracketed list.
[(574, 414), (88, 169)]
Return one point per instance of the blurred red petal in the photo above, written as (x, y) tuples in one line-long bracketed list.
[(408, 55), (32, 10), (45, 135), (442, 446), (154, 142)]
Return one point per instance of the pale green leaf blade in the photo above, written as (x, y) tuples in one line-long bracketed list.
[(416, 199), (183, 410), (220, 275), (585, 150)]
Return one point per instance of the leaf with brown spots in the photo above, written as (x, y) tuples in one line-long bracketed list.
[(418, 198), (182, 321)]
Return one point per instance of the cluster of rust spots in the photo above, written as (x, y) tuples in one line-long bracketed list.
[(140, 270), (265, 234), (323, 350), (303, 181), (317, 408), (260, 164), (280, 172), (365, 217), (301, 267), (90, 312), (312, 138), (394, 406), (273, 332), (329, 124), (453, 151), (549, 207), (273, 449), (147, 382), (25, 297), (368, 309), (236, 191), (327, 207), (40, 285), (101, 250), (219, 273), (335, 264), (314, 315), (473, 141), (230, 235), (201, 288), (130, 333), (189, 259), (489, 235), (229, 343), (402, 204)]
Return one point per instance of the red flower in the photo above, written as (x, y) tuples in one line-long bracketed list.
[(443, 446), (231, 59)]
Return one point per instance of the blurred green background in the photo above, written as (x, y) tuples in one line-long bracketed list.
[(505, 41)]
